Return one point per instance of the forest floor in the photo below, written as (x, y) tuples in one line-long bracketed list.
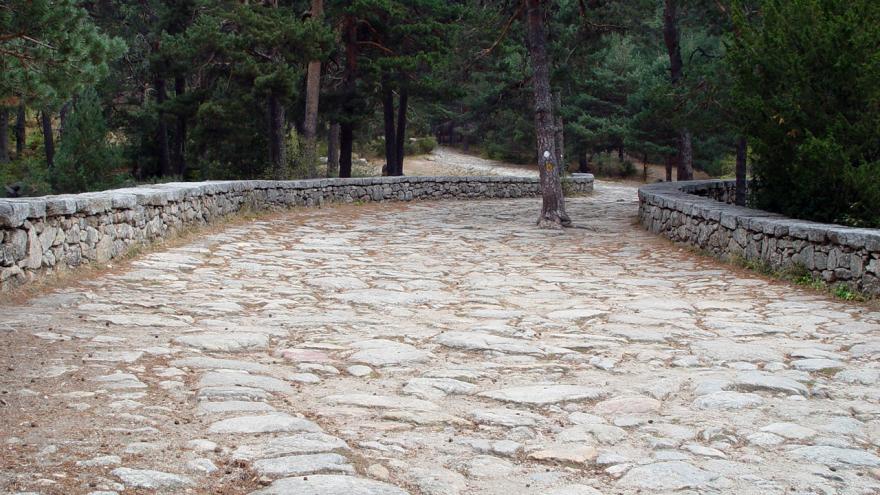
[(437, 348)]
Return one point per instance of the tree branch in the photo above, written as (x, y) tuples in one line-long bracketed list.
[(377, 45), (32, 40), (503, 34)]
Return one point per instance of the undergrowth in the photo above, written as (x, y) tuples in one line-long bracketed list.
[(799, 274)]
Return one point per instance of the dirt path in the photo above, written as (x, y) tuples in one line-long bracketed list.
[(450, 161)]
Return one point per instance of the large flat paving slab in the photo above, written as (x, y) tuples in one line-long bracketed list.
[(438, 349)]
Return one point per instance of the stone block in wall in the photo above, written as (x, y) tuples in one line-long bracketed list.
[(49, 258), (13, 214), (868, 239), (60, 205), (727, 220), (856, 265), (103, 249), (12, 272), (34, 258), (17, 240), (47, 237), (121, 201), (873, 266), (92, 203)]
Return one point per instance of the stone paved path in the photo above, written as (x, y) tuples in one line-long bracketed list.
[(438, 349)]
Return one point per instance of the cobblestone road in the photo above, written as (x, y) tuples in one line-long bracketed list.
[(438, 349)]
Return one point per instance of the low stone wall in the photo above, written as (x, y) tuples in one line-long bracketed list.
[(41, 235), (698, 213)]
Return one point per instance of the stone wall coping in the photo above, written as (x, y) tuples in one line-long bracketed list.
[(679, 196), (15, 211)]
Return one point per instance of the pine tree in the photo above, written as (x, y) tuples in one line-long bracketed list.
[(400, 47), (85, 160), (50, 50), (254, 57)]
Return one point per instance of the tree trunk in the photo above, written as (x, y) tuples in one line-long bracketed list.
[(180, 132), (741, 171), (401, 131), (559, 134), (346, 140), (4, 135), (672, 39), (277, 146), (390, 138), (63, 114), (669, 168), (313, 93), (346, 128), (686, 156), (583, 164), (48, 138), (162, 130), (20, 130), (333, 150), (553, 203)]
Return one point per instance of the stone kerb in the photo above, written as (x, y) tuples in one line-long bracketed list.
[(41, 235), (698, 214)]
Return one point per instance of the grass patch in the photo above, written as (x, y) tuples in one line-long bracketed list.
[(798, 274)]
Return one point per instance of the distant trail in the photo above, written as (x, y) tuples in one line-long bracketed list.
[(449, 161)]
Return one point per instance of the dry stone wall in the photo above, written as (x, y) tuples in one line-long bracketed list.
[(698, 213), (40, 235)]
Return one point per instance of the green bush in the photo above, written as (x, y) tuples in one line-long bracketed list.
[(606, 165), (807, 93), (419, 146), (29, 174)]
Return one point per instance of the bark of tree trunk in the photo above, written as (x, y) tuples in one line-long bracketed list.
[(48, 139), (686, 156), (346, 139), (333, 150), (162, 130), (4, 135), (346, 128), (553, 203), (741, 171), (63, 114), (277, 146), (20, 130), (669, 168), (180, 132), (390, 137), (313, 93), (584, 164), (672, 39), (559, 134), (401, 131)]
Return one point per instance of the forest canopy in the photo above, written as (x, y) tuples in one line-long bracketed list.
[(104, 93)]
